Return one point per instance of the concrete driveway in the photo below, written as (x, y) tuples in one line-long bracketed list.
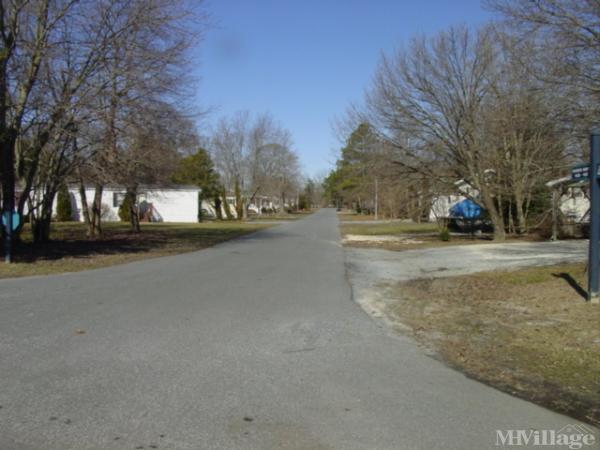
[(252, 344), (373, 265), (369, 268)]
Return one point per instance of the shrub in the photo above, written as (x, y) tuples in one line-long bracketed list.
[(445, 235), (64, 210), (125, 208), (303, 202)]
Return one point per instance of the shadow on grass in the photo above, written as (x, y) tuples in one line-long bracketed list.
[(573, 283), (73, 243)]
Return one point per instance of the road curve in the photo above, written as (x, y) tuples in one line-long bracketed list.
[(253, 344)]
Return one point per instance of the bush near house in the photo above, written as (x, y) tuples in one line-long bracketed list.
[(125, 208), (64, 210)]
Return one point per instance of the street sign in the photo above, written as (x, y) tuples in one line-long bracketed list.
[(580, 172), (594, 245), (16, 220)]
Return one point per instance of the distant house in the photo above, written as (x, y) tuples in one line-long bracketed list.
[(442, 204), (572, 198), (259, 205), (158, 203), (263, 203), (575, 205)]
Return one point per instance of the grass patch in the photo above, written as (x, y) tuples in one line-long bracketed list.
[(348, 216), (406, 235), (280, 216), (527, 332), (71, 251), (389, 228)]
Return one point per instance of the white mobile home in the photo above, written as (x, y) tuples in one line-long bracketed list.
[(441, 204), (164, 204)]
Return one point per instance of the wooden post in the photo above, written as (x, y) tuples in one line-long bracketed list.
[(555, 199)]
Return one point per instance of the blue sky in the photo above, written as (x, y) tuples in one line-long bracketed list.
[(305, 61)]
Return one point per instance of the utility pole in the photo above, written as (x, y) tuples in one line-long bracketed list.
[(376, 199), (594, 250)]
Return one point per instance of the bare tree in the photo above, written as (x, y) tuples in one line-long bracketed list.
[(429, 100), (463, 106), (143, 76), (34, 35), (563, 39), (254, 156), (566, 31), (58, 59), (229, 147)]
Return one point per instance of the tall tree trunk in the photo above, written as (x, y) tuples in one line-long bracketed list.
[(134, 218), (521, 218), (96, 219), (7, 174), (200, 215), (85, 212), (41, 224), (41, 228), (495, 216), (282, 206), (218, 211), (226, 206), (239, 201), (511, 223)]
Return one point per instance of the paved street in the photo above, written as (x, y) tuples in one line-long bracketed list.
[(255, 344)]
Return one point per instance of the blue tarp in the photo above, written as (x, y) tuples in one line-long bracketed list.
[(467, 209)]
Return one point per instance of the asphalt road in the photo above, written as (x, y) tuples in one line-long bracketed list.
[(253, 344)]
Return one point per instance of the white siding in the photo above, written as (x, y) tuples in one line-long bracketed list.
[(109, 212), (171, 205), (175, 205), (440, 207)]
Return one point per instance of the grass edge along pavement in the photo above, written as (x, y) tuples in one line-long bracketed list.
[(70, 250), (529, 333)]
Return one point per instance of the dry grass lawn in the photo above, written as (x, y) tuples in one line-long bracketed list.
[(280, 216), (71, 251), (529, 333), (399, 236), (348, 216), (389, 228)]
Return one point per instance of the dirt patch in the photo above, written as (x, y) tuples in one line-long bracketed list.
[(407, 235), (379, 239), (529, 333)]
